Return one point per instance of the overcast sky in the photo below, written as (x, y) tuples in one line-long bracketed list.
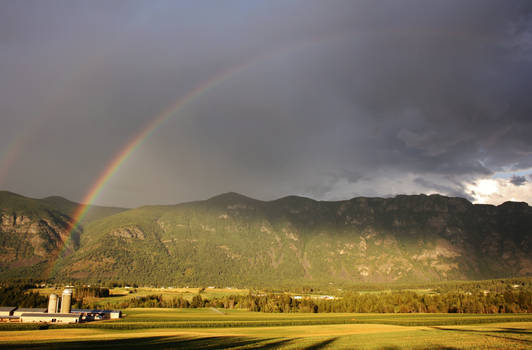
[(326, 99)]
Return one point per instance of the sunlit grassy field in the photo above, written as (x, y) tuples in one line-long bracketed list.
[(235, 329)]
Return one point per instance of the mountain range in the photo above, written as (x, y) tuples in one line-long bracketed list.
[(234, 240)]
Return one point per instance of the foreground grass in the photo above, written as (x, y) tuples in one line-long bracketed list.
[(208, 329)]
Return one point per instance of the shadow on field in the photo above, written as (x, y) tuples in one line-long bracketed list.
[(320, 345), (500, 330), (495, 333), (158, 343)]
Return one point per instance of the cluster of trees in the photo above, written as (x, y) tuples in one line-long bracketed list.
[(152, 301), (449, 302), (21, 297), (91, 292)]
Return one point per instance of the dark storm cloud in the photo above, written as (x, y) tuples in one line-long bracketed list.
[(340, 98), (518, 180)]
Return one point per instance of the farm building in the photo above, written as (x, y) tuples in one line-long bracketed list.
[(7, 310), (58, 311), (96, 314), (49, 318), (9, 319), (20, 311)]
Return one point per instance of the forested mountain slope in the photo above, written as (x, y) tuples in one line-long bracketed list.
[(33, 232), (235, 240)]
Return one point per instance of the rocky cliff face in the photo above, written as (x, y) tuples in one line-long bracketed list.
[(34, 233), (27, 241)]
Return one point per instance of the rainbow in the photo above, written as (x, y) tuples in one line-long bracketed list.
[(115, 163), (140, 137), (157, 121), (134, 143)]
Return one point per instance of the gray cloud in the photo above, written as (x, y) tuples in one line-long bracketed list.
[(331, 100), (518, 180)]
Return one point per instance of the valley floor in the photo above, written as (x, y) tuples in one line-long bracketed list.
[(212, 329)]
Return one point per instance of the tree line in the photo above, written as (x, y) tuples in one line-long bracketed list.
[(91, 292), (394, 302)]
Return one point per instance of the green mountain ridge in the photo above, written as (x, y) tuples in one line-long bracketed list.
[(234, 240), (34, 231)]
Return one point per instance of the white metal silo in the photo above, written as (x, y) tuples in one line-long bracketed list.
[(66, 301)]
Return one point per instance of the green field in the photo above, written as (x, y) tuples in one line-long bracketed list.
[(211, 328)]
